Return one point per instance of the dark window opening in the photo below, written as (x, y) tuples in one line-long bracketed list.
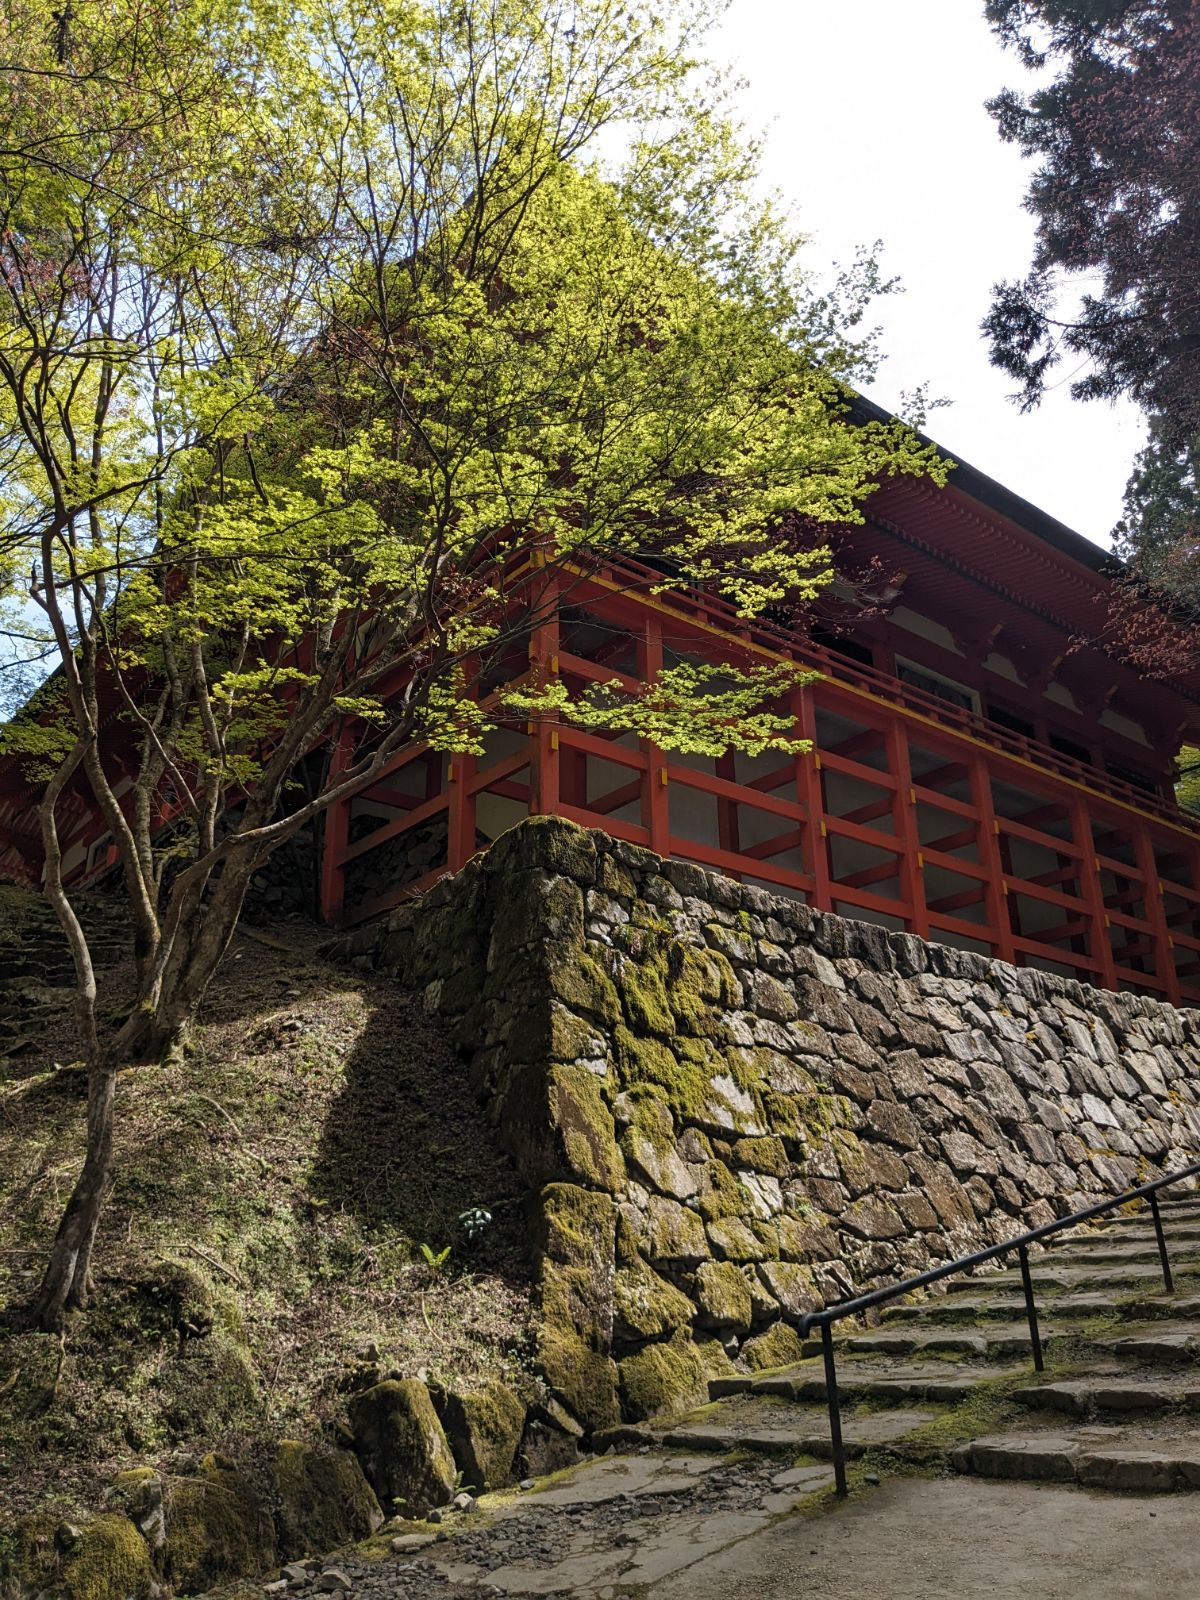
[(1136, 780), (852, 649), (1071, 747), (954, 694), (1011, 721)]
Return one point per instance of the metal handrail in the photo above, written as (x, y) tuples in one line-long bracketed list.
[(849, 1308)]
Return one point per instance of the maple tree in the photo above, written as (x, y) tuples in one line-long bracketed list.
[(313, 324)]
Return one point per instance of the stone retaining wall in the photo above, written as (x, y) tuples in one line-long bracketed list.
[(731, 1109)]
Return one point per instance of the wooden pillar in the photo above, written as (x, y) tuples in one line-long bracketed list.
[(728, 835), (656, 815), (460, 770), (335, 830), (988, 843), (544, 784), (1154, 909), (904, 822), (1089, 875), (808, 793)]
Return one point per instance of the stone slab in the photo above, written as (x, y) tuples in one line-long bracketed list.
[(905, 1540)]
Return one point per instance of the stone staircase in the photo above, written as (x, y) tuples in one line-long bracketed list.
[(37, 977), (948, 1382)]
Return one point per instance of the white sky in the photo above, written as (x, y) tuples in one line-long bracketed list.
[(876, 128)]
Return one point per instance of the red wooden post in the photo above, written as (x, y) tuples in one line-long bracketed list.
[(988, 842), (808, 793), (908, 837), (544, 786), (1090, 894), (728, 834), (656, 815), (460, 841), (335, 832), (1155, 910)]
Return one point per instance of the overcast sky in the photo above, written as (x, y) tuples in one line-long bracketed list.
[(876, 128)]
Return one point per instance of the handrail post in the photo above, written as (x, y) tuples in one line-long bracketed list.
[(835, 1410), (1035, 1337), (1168, 1281)]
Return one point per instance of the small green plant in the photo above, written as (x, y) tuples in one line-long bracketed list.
[(434, 1258), (474, 1220)]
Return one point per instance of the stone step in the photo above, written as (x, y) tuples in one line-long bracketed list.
[(992, 1342), (1164, 1343), (1100, 1253), (763, 1424), (1139, 1233), (1146, 1308), (962, 1311), (1142, 1458), (1171, 1343), (1046, 1274), (887, 1382), (1109, 1393)]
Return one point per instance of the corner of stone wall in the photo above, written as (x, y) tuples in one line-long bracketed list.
[(731, 1109)]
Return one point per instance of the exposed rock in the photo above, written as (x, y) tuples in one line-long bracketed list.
[(662, 1378), (779, 1346), (109, 1561), (323, 1499), (401, 1445), (219, 1525), (484, 1427), (723, 1297), (647, 1306)]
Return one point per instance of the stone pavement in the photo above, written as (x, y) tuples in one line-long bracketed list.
[(735, 1498)]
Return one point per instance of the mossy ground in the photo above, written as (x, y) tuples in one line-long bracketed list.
[(272, 1193)]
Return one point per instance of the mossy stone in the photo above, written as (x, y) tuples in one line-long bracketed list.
[(583, 1123), (574, 976), (549, 842), (401, 1445), (685, 1085), (644, 995), (534, 906), (699, 983), (29, 1553), (576, 1268), (762, 1155), (646, 1306), (673, 1233), (792, 1285), (484, 1427), (559, 1129), (571, 1038), (649, 1143), (732, 1240), (138, 1492), (778, 1346), (323, 1499), (714, 1358), (614, 879), (663, 1378), (219, 1525), (723, 1297), (806, 1239), (722, 1196), (110, 1562)]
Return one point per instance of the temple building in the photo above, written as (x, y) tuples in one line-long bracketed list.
[(979, 777)]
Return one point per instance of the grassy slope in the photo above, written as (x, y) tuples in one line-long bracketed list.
[(272, 1194)]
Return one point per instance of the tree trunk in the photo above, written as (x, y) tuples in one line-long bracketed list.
[(67, 1281), (150, 1034)]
